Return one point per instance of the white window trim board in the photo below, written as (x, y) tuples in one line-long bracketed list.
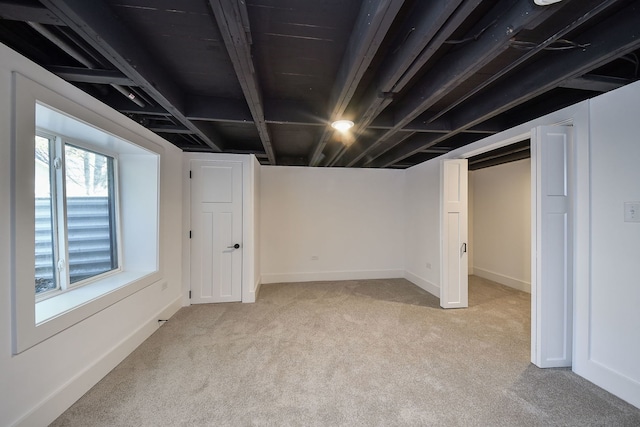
[(140, 200)]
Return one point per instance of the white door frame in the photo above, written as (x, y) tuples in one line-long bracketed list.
[(250, 274), (216, 226), (454, 283), (515, 135), (552, 229)]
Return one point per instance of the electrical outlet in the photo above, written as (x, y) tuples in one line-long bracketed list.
[(315, 258), (632, 212)]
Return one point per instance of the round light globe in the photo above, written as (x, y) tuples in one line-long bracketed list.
[(342, 125)]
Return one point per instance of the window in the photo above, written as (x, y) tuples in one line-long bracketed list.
[(75, 211), (90, 237)]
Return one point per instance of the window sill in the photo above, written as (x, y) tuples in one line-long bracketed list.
[(58, 305), (58, 313)]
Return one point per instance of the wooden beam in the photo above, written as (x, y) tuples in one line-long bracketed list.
[(456, 67), (170, 129), (591, 13), (432, 24), (232, 19), (99, 26), (609, 39), (372, 25), (28, 13), (87, 75), (595, 83)]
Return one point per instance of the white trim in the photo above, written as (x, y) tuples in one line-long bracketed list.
[(576, 115), (30, 96), (503, 143), (253, 295), (584, 365), (423, 283), (323, 276), (248, 238), (46, 411), (503, 279), (582, 266)]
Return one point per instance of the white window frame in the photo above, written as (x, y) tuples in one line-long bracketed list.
[(139, 172), (60, 218)]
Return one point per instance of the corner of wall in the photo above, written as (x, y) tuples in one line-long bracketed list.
[(424, 284), (46, 411)]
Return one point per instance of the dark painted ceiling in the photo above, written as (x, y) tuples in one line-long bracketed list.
[(418, 78)]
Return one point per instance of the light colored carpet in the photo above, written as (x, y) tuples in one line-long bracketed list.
[(353, 353)]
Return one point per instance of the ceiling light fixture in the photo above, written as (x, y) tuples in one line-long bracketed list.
[(546, 2), (342, 125)]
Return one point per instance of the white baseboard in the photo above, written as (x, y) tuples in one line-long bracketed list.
[(423, 284), (45, 412), (252, 295), (322, 276), (518, 284), (256, 289), (623, 386)]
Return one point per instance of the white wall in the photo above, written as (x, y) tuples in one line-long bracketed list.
[(608, 311), (422, 214), (350, 219), (41, 382), (606, 286), (502, 224), (422, 226)]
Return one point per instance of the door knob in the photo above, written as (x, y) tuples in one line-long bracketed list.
[(236, 246)]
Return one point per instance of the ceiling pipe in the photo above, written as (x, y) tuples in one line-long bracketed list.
[(528, 55), (69, 50)]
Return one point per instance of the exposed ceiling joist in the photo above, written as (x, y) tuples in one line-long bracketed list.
[(507, 158), (170, 129), (517, 151), (276, 111), (530, 53), (233, 22), (431, 25), (216, 109), (96, 23), (595, 83), (125, 107), (456, 67), (28, 13), (374, 20), (86, 75), (258, 76), (590, 14), (409, 54), (606, 41)]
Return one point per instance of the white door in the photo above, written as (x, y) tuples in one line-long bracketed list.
[(551, 272), (216, 231), (454, 291)]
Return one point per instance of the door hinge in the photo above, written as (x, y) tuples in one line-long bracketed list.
[(189, 174), (189, 294), (189, 233)]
